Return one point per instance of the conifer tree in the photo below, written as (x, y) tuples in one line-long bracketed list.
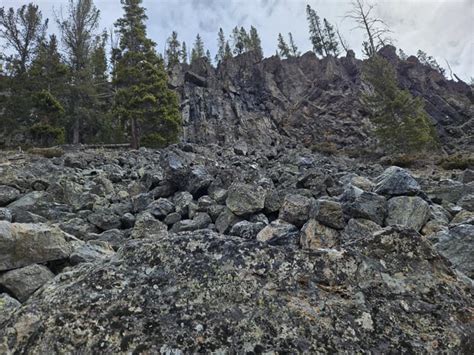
[(244, 39), (221, 43), (184, 53), (330, 38), (283, 49), (23, 30), (238, 41), (173, 51), (294, 52), (228, 51), (208, 57), (198, 49), (255, 42), (316, 32), (143, 99), (401, 123)]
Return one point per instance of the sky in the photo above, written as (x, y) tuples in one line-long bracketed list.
[(441, 28)]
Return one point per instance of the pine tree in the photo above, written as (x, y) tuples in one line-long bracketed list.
[(244, 39), (173, 51), (429, 61), (228, 51), (208, 57), (221, 43), (330, 38), (198, 49), (143, 99), (294, 52), (255, 42), (238, 43), (402, 124), (184, 53), (316, 32), (283, 49)]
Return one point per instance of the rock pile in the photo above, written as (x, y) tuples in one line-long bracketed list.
[(202, 248)]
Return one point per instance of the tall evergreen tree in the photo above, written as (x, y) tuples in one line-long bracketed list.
[(184, 53), (198, 49), (238, 41), (143, 99), (221, 43), (316, 32), (78, 34), (173, 51), (208, 57), (294, 52), (401, 123), (283, 49), (23, 30), (228, 51), (244, 39), (330, 38), (255, 42)]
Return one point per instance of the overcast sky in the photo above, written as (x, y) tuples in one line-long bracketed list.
[(442, 28)]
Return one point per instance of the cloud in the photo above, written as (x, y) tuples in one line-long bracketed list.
[(442, 28)]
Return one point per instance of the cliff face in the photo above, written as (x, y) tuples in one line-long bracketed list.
[(307, 100)]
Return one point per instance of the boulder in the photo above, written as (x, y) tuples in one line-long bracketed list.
[(7, 305), (22, 282), (273, 201), (408, 211), (295, 209), (105, 219), (467, 202), (241, 148), (358, 228), (200, 221), (5, 214), (161, 208), (457, 245), (396, 181), (201, 292), (277, 230), (148, 227), (246, 229), (329, 213), (79, 227), (25, 244), (8, 194), (114, 237), (244, 199), (141, 202), (182, 200), (172, 218), (226, 220), (198, 181), (94, 250), (463, 217), (315, 235), (357, 203)]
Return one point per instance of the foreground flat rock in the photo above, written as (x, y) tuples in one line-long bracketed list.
[(201, 292), (25, 244)]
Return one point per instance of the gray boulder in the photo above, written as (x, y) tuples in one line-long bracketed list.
[(22, 282), (295, 209), (396, 181), (315, 235), (278, 229), (226, 220), (329, 213), (467, 202), (198, 181), (182, 200), (105, 219), (457, 245), (7, 305), (200, 221), (148, 227), (246, 229), (161, 208), (408, 211), (241, 148), (273, 201), (8, 194), (91, 251), (244, 199), (358, 228), (357, 203), (25, 244), (115, 237), (172, 218), (5, 214)]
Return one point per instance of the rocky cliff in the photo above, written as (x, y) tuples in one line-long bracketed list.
[(308, 100)]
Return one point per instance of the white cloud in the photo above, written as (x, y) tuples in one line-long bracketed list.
[(442, 28)]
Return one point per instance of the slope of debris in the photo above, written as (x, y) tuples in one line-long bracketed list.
[(202, 248)]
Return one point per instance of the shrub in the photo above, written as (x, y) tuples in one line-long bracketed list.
[(153, 140), (457, 161), (49, 153), (325, 148), (46, 135)]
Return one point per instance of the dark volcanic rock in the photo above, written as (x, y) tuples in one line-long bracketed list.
[(24, 281), (202, 292)]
